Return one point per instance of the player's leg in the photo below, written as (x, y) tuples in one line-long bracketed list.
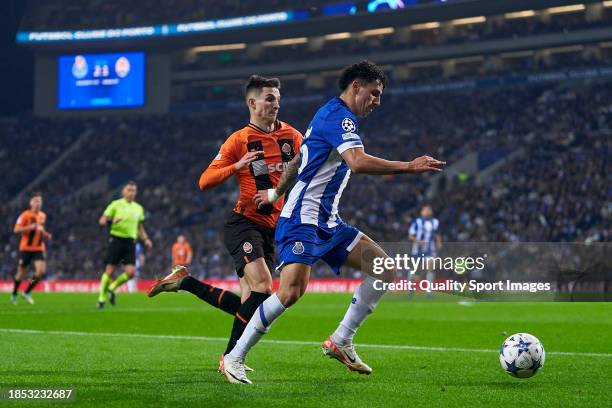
[(40, 267), (129, 270), (109, 269), (179, 279), (365, 298), (293, 283), (430, 274), (258, 280), (21, 272), (245, 290)]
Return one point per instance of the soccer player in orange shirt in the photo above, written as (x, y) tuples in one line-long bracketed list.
[(257, 155), (182, 253), (31, 226)]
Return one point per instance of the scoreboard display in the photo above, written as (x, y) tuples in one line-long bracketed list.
[(94, 81)]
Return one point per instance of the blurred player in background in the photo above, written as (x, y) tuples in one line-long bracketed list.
[(125, 217), (182, 253), (427, 242), (256, 155), (31, 226), (132, 284), (310, 229)]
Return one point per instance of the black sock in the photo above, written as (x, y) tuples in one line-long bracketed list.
[(33, 283), (16, 283), (225, 300), (243, 315)]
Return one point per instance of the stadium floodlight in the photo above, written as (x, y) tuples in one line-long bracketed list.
[(219, 47), (566, 9), (519, 14), (607, 3), (425, 26), (469, 20), (378, 31), (337, 36), (285, 41)]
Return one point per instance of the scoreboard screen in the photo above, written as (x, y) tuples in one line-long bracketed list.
[(94, 81)]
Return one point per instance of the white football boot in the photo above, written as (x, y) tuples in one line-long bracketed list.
[(345, 354), (233, 369)]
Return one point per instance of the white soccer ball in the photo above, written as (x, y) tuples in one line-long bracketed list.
[(521, 355)]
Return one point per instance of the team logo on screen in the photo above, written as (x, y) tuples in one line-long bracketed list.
[(122, 67), (348, 125), (79, 68)]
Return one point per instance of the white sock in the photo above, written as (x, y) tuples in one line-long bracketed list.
[(363, 303), (264, 316)]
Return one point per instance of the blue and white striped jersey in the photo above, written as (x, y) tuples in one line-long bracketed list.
[(424, 229), (323, 174)]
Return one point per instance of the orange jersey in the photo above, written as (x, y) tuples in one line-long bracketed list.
[(279, 147), (31, 240), (180, 253)]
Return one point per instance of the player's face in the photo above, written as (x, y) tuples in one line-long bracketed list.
[(426, 212), (180, 239), (267, 104), (368, 97), (36, 203), (129, 192)]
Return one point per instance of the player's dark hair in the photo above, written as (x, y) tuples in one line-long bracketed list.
[(257, 82), (364, 71), (36, 194), (130, 183)]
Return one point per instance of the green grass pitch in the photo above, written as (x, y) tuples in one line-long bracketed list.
[(164, 352)]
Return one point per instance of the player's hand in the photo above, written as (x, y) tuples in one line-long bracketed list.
[(261, 198), (248, 158), (425, 164), (47, 236), (148, 243)]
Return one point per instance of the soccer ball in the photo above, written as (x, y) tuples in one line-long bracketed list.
[(521, 355)]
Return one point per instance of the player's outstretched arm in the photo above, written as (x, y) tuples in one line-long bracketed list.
[(362, 163), (284, 184), (221, 169)]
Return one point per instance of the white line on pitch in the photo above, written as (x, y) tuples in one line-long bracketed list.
[(283, 342)]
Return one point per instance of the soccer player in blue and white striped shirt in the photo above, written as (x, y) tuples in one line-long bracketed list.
[(310, 228), (425, 235)]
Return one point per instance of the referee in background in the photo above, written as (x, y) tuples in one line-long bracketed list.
[(125, 217)]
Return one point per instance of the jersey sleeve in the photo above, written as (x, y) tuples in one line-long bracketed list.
[(141, 217), (222, 167), (413, 228), (343, 133), (110, 210), (21, 220)]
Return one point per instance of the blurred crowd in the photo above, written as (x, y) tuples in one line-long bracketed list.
[(79, 14), (400, 39), (555, 187)]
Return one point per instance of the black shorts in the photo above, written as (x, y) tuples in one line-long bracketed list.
[(120, 250), (27, 257), (247, 241)]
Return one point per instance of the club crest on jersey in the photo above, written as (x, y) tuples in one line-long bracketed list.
[(247, 247), (348, 125), (298, 248), (286, 148)]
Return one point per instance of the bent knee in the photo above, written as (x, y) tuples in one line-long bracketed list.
[(290, 296)]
